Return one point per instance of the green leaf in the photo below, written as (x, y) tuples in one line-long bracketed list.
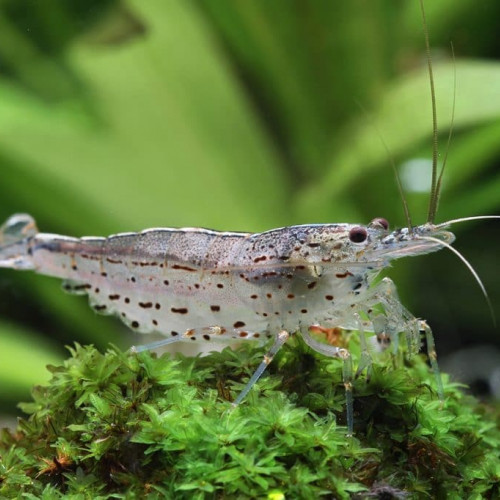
[(161, 137), (24, 358)]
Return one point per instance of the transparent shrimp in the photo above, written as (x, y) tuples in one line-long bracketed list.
[(196, 285)]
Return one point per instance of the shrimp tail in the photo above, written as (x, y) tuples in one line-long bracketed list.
[(16, 235)]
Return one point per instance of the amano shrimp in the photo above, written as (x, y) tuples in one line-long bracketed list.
[(198, 285)]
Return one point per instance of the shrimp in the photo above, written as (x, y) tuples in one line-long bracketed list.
[(198, 285)]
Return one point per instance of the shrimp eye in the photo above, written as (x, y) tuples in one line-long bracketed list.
[(380, 223), (358, 234)]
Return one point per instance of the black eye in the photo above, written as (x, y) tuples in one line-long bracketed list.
[(358, 234), (380, 222)]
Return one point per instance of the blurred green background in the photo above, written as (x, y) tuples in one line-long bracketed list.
[(241, 115)]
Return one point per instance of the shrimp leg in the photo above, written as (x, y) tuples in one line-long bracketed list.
[(337, 352), (281, 338)]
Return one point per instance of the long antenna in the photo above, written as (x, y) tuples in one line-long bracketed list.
[(434, 195), (452, 123), (470, 268), (400, 188), (399, 184)]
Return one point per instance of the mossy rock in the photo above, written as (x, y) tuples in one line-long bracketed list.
[(117, 425)]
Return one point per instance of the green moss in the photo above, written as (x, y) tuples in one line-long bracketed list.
[(116, 425)]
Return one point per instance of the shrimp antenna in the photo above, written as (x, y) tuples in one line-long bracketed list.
[(464, 219), (433, 201), (448, 142), (400, 186), (469, 267), (393, 165)]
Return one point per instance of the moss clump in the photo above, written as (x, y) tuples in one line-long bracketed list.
[(116, 425)]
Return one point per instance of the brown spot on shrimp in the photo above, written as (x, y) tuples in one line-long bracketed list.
[(179, 310), (113, 261), (344, 275), (183, 268), (260, 259)]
